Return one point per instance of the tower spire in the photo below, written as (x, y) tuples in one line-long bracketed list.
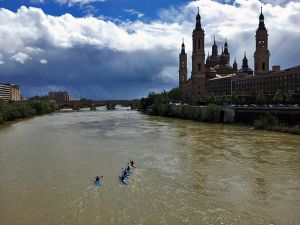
[(261, 25), (183, 47), (245, 63), (198, 21), (234, 66)]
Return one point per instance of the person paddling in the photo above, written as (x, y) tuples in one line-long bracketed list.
[(132, 164), (125, 173), (128, 168)]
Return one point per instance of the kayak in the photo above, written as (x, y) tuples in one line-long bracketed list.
[(124, 181), (97, 182)]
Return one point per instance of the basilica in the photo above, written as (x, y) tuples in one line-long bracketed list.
[(214, 75)]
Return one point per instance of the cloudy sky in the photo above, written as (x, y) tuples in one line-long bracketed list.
[(104, 49)]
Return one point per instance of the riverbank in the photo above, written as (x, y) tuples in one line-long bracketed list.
[(216, 114), (13, 111)]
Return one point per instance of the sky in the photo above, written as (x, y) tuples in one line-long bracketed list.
[(123, 49)]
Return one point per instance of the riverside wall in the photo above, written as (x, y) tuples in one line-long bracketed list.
[(247, 115)]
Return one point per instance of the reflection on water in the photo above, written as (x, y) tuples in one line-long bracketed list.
[(188, 173)]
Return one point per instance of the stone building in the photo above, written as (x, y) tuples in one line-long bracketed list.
[(219, 78), (59, 96), (202, 70), (10, 92)]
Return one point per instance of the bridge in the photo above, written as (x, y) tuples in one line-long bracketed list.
[(110, 104)]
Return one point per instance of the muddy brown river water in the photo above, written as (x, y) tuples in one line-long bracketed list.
[(188, 172)]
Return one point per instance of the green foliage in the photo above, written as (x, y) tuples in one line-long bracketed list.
[(154, 100), (1, 118), (267, 121), (211, 113), (239, 97), (182, 112), (289, 96), (17, 110), (278, 97), (158, 109), (260, 97), (175, 95)]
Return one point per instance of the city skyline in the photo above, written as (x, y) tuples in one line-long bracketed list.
[(98, 56)]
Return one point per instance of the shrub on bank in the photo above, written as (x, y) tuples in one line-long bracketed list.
[(211, 113), (284, 129), (1, 119), (267, 121), (17, 110)]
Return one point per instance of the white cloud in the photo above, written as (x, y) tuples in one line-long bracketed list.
[(33, 50), (276, 2), (238, 23), (37, 1), (79, 2), (1, 59), (43, 61), (30, 26), (97, 42), (21, 57), (134, 12)]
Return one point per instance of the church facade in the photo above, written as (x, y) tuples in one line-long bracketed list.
[(215, 76)]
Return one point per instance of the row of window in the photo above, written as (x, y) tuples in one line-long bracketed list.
[(269, 84)]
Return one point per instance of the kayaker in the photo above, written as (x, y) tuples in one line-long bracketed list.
[(131, 163), (125, 173), (122, 178), (128, 168), (97, 178)]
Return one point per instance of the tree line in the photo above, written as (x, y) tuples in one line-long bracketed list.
[(11, 110)]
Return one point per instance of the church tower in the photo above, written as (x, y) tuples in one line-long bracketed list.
[(198, 60), (215, 50), (226, 53), (182, 66), (235, 66), (245, 64), (261, 54)]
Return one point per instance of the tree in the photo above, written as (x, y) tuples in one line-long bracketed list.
[(211, 113), (175, 94), (235, 97), (260, 97), (289, 96), (211, 99), (278, 97)]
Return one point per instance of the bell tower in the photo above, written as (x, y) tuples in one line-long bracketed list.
[(261, 54), (182, 66), (198, 60)]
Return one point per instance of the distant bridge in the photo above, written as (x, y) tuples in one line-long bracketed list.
[(110, 104)]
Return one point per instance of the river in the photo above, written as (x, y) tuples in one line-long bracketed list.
[(187, 172)]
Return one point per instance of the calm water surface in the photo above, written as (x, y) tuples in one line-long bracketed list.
[(188, 173)]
